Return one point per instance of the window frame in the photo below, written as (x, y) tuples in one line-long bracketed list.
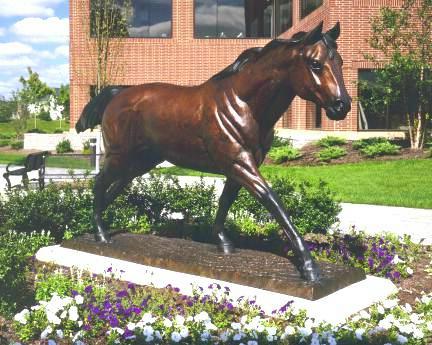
[(302, 15), (275, 21), (170, 36)]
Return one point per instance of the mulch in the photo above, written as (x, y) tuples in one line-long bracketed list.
[(309, 158)]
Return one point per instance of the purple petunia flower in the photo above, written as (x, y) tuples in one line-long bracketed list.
[(122, 293), (74, 293), (114, 322)]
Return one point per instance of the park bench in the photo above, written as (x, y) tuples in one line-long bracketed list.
[(33, 162)]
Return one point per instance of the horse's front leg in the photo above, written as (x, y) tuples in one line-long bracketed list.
[(246, 173), (226, 199)]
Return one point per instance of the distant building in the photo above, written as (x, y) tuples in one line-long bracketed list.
[(187, 41)]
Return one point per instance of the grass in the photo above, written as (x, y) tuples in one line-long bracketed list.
[(47, 126), (66, 162), (395, 183)]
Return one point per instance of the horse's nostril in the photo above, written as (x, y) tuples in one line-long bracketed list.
[(339, 105)]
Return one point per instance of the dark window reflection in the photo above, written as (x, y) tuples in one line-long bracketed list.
[(308, 6), (242, 18), (139, 18)]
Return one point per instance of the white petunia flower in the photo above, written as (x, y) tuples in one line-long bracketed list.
[(269, 338), (396, 260), (179, 320), (148, 331), (408, 308), (415, 318), (201, 317), (131, 326), (252, 342), (149, 338), (418, 333), (426, 299), (60, 333), (175, 337), (79, 299), (401, 339), (429, 326), (184, 332), (364, 314), (237, 336), (205, 336), (167, 323), (409, 270), (46, 332), (271, 330), (380, 309), (73, 313), (51, 342), (359, 333), (224, 336), (305, 331), (79, 342), (158, 335), (289, 330), (21, 317), (235, 325), (390, 303)]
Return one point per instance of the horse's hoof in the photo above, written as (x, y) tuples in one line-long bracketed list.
[(310, 272), (102, 238), (226, 247)]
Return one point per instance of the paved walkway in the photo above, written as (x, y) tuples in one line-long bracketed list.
[(369, 218)]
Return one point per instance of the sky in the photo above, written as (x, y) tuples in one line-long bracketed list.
[(33, 33)]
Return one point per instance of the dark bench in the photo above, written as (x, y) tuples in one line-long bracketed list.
[(34, 161)]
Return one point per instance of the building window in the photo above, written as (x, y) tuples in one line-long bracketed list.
[(134, 18), (374, 113), (242, 18), (308, 6)]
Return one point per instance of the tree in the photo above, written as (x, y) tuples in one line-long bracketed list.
[(403, 36), (63, 99), (7, 108), (107, 21), (33, 91)]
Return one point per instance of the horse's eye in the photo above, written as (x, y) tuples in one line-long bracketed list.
[(316, 65)]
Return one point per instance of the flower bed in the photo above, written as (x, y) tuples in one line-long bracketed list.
[(95, 309)]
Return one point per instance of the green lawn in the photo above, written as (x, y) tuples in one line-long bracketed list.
[(397, 183), (47, 126)]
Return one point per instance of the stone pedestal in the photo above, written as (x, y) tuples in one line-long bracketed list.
[(269, 279)]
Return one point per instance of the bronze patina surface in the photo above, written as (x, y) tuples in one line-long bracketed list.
[(224, 125), (247, 267)]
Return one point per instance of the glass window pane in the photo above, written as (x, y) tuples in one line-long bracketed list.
[(135, 18), (234, 18), (308, 6), (205, 18), (284, 16)]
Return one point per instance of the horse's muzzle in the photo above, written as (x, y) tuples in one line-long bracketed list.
[(339, 110)]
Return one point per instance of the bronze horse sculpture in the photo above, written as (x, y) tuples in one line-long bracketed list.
[(224, 125)]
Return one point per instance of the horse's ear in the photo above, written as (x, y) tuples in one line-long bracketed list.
[(314, 35), (334, 32)]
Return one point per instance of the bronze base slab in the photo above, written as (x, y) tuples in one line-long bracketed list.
[(258, 269)]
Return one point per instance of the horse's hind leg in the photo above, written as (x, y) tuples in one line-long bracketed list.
[(226, 199), (112, 181), (110, 173)]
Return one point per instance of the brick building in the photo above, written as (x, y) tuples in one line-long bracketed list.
[(187, 41)]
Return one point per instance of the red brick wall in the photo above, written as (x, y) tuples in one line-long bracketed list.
[(184, 60)]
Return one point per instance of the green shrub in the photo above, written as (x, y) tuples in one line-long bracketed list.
[(45, 115), (380, 149), (283, 154), (15, 251), (64, 146), (17, 144), (329, 153), (6, 135), (86, 147), (280, 142), (330, 141), (312, 208), (4, 142), (58, 130), (36, 130), (360, 144)]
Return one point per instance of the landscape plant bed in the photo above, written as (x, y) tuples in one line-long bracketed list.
[(309, 157)]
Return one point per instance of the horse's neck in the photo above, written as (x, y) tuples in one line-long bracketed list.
[(267, 99)]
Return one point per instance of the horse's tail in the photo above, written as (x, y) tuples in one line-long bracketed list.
[(92, 113)]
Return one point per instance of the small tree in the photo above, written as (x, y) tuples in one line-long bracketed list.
[(404, 37), (32, 92), (63, 99), (107, 21)]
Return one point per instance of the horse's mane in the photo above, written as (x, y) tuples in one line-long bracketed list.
[(255, 53)]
